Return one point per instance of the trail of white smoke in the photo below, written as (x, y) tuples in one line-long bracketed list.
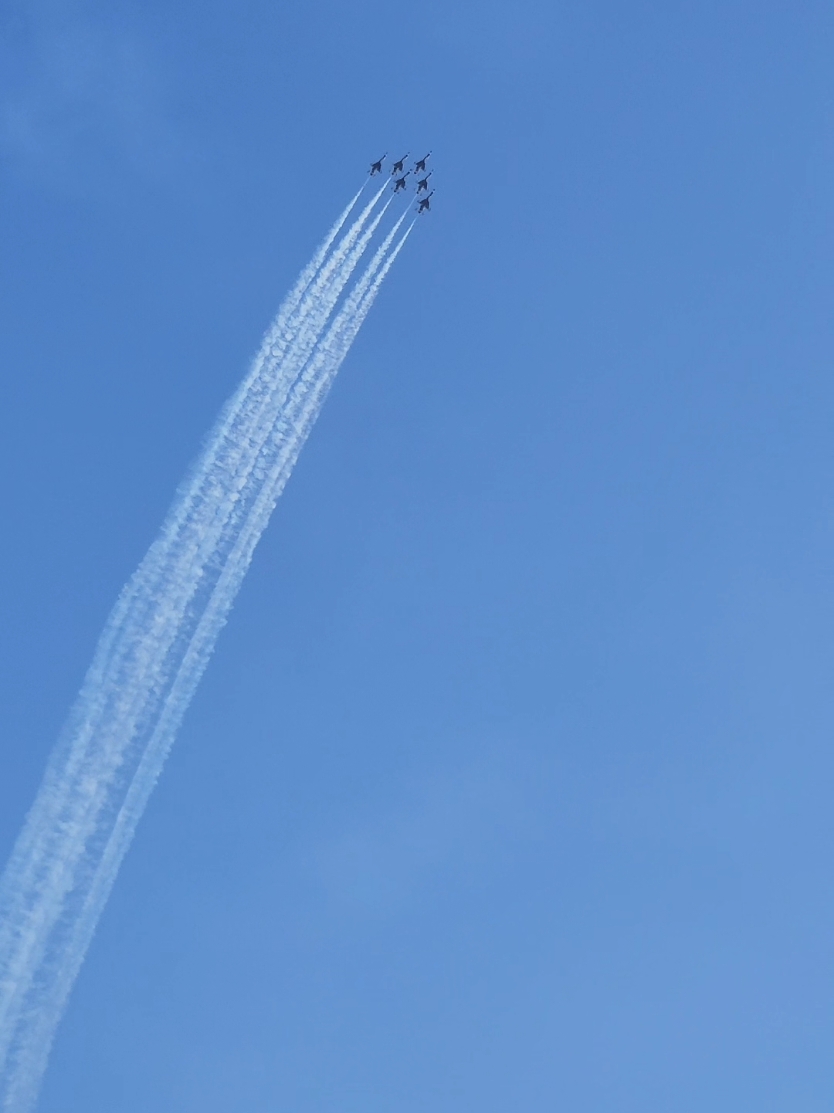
[(290, 436), (302, 304), (96, 771), (296, 427), (64, 833), (49, 824)]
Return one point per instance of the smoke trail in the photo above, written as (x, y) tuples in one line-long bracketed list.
[(194, 533), (187, 531), (99, 761), (154, 648)]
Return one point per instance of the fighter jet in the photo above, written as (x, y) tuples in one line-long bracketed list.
[(424, 204), (376, 167), (400, 182), (423, 183), (421, 164), (397, 168)]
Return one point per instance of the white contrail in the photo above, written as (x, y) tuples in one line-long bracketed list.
[(185, 533), (178, 551), (52, 796), (98, 770), (155, 647)]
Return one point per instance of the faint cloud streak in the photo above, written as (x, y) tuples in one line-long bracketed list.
[(80, 97), (452, 826)]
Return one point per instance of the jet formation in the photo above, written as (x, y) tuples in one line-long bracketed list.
[(399, 175)]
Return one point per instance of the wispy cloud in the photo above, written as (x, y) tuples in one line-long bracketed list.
[(81, 96), (452, 825)]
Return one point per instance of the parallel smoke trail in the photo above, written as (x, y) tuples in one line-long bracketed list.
[(155, 647), (177, 559), (185, 533), (201, 481)]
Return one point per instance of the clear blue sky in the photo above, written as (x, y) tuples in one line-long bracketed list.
[(509, 786)]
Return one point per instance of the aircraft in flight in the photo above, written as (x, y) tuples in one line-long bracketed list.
[(424, 204), (421, 163), (397, 168), (376, 167), (423, 183), (400, 182)]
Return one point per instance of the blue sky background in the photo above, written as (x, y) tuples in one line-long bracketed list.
[(509, 784)]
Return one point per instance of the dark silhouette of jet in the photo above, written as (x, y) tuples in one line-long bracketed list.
[(376, 167), (421, 164), (423, 183), (400, 182), (424, 204), (397, 168)]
